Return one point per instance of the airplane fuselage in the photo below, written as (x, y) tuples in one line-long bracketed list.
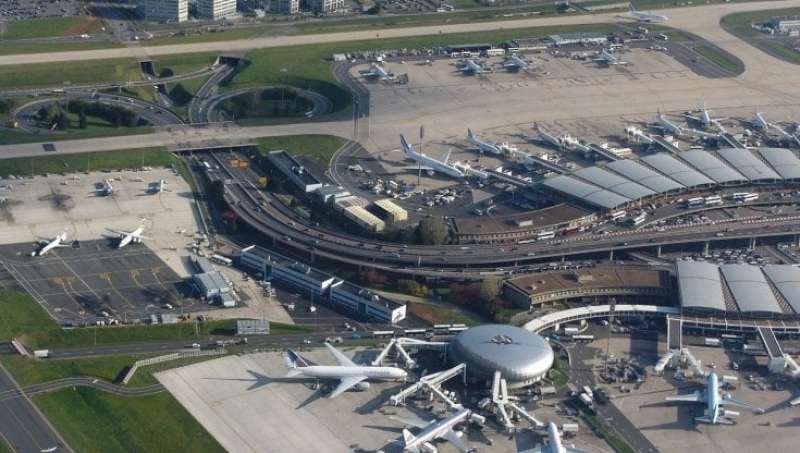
[(712, 398), (56, 242), (436, 429), (130, 237), (383, 373)]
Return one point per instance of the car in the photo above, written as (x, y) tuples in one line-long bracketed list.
[(306, 341)]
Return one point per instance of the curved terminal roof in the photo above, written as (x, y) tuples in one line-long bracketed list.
[(614, 183), (677, 170), (750, 289), (748, 164), (712, 167), (520, 355), (587, 192), (700, 286), (782, 160), (637, 172), (787, 280)]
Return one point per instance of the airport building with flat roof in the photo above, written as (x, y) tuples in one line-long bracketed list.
[(366, 303), (323, 287), (629, 283), (390, 211), (523, 226), (522, 357), (216, 9), (173, 11), (212, 284), (364, 219), (295, 172)]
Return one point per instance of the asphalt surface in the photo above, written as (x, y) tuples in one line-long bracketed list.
[(22, 426), (678, 17)]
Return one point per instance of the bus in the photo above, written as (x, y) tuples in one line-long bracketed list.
[(382, 333), (750, 197), (713, 200), (617, 215), (526, 241), (441, 328), (415, 331), (639, 219), (583, 338), (457, 328), (697, 202), (739, 196), (545, 235)]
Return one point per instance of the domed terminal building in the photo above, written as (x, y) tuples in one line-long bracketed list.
[(522, 357)]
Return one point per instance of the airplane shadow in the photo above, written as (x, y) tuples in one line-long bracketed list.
[(795, 422), (261, 380)]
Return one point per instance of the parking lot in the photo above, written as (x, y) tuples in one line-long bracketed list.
[(32, 9)]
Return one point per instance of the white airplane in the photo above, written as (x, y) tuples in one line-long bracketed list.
[(470, 67), (128, 237), (667, 125), (606, 58), (437, 429), (548, 138), (554, 444), (759, 122), (484, 147), (48, 245), (376, 71), (714, 400), (795, 402), (107, 189), (516, 63), (705, 119), (430, 164), (646, 16), (347, 373)]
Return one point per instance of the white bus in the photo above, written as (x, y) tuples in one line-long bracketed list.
[(739, 196), (750, 197), (697, 202), (617, 215), (713, 200), (545, 235), (639, 219)]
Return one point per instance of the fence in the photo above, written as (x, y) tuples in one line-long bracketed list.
[(169, 357)]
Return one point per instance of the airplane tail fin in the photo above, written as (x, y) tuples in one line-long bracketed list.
[(469, 133), (447, 156), (293, 360), (631, 8), (407, 436), (404, 143)]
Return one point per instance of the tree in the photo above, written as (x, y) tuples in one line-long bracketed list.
[(61, 121), (432, 231), (216, 191), (42, 114), (490, 289)]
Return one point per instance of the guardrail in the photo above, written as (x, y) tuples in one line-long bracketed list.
[(168, 357)]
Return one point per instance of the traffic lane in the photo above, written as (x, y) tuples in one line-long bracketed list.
[(21, 424)]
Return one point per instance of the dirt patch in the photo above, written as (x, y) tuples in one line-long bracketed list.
[(87, 26)]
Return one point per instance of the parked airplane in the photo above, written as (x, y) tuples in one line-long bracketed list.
[(376, 71), (484, 147), (554, 444), (606, 58), (470, 67), (704, 119), (347, 373), (714, 400), (759, 122), (516, 63), (430, 164), (667, 125), (646, 16), (127, 237), (437, 429), (46, 245)]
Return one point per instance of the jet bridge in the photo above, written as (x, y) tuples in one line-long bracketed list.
[(674, 333), (503, 403), (777, 359), (665, 144), (400, 346), (431, 384), (732, 141)]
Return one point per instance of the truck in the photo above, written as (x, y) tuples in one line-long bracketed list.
[(571, 330), (569, 427), (712, 342), (588, 391), (586, 400), (41, 353)]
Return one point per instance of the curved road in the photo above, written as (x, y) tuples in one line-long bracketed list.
[(92, 382)]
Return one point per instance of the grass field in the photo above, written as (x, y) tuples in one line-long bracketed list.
[(318, 147), (738, 24), (51, 26), (435, 314), (182, 64), (66, 163), (27, 321), (29, 371), (93, 421), (66, 73), (717, 57)]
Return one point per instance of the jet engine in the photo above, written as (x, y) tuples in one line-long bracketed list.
[(361, 386), (428, 447)]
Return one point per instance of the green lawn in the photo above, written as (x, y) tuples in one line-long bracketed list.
[(27, 321), (51, 26), (68, 163), (65, 73), (184, 63), (4, 447), (29, 371), (317, 147), (94, 421), (738, 24), (717, 57)]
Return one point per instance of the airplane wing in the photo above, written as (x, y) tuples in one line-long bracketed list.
[(124, 233), (341, 358), (696, 397), (795, 402), (720, 420), (421, 167), (728, 400), (346, 384), (453, 438)]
